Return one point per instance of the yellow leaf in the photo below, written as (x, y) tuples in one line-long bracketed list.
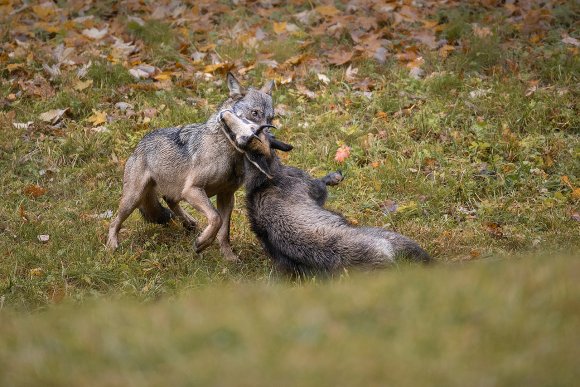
[(36, 272), (14, 66), (566, 180), (98, 118), (44, 11), (207, 47), (576, 193), (215, 67), (164, 76), (326, 10), (81, 85), (279, 28)]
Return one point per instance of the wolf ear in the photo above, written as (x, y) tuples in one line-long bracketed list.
[(268, 87), (234, 86), (276, 144)]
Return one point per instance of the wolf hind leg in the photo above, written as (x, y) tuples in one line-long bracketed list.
[(151, 209), (333, 178), (133, 192), (187, 220)]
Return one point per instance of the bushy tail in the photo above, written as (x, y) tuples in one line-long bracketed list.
[(386, 246), (152, 210)]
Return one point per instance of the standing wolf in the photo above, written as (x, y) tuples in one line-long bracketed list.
[(192, 163), (285, 207)]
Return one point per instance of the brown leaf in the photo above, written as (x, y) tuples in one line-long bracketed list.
[(339, 57), (305, 91), (494, 229), (22, 213), (53, 116), (326, 10), (34, 190)]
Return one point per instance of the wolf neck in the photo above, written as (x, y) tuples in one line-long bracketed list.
[(256, 176)]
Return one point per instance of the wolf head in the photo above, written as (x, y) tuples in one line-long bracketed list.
[(254, 105), (254, 140)]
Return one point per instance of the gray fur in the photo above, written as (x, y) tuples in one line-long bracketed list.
[(301, 236), (193, 163)]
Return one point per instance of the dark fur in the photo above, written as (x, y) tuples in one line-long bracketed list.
[(301, 236)]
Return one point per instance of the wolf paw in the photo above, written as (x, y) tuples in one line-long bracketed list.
[(333, 178)]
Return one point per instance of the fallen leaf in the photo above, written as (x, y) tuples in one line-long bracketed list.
[(416, 72), (43, 238), (34, 190), (326, 10), (22, 125), (222, 67), (143, 71), (339, 57), (481, 32), (14, 66), (53, 116), (94, 33), (571, 40), (351, 73), (37, 271), (295, 60), (106, 215), (389, 206), (279, 28), (566, 180), (323, 78), (473, 253), (382, 115), (342, 153), (576, 193), (22, 213), (81, 85), (97, 118), (305, 91), (494, 229), (122, 106), (575, 216)]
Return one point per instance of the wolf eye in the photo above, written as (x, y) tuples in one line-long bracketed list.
[(254, 113)]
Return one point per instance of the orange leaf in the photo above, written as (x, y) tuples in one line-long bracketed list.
[(342, 153), (279, 28), (34, 190), (382, 115), (576, 193), (566, 180), (224, 66)]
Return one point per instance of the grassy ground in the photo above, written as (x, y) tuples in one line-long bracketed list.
[(499, 323), (478, 157)]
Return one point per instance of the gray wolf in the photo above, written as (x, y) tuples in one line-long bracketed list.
[(192, 163), (285, 207)]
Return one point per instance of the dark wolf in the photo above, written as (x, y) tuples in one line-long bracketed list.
[(192, 163), (285, 207)]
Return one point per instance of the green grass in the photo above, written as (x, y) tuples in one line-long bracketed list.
[(481, 167), (505, 323)]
